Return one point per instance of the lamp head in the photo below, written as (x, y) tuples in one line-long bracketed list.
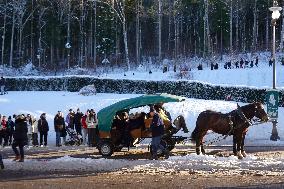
[(275, 10), (275, 14)]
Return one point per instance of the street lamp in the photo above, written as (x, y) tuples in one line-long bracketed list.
[(275, 15)]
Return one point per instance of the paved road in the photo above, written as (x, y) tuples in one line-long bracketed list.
[(87, 179)]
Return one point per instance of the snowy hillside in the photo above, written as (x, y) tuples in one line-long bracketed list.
[(260, 76)]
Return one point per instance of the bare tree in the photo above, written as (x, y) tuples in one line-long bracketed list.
[(41, 25), (231, 26), (118, 6), (4, 9), (138, 30), (160, 29), (22, 17), (12, 37), (206, 36), (254, 31)]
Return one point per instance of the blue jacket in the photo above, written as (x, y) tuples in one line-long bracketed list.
[(157, 126)]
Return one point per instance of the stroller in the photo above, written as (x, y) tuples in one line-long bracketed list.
[(74, 138)]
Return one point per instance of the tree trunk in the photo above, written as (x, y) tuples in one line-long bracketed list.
[(12, 40), (4, 35), (138, 32), (206, 36), (125, 44), (254, 34), (282, 32), (94, 32), (160, 30), (68, 34), (237, 27), (231, 26), (32, 35), (170, 27)]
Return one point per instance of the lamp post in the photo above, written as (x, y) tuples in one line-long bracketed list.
[(275, 15)]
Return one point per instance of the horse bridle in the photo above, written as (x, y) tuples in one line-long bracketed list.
[(242, 115)]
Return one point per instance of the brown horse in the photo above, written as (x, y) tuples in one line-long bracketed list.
[(234, 123)]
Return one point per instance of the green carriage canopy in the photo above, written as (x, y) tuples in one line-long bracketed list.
[(106, 115)]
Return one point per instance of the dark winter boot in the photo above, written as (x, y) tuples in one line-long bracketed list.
[(154, 157), (17, 158), (167, 154), (21, 160), (1, 164)]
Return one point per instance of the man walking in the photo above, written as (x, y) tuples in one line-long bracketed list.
[(157, 128)]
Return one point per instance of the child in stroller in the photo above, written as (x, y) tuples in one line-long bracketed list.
[(74, 138)]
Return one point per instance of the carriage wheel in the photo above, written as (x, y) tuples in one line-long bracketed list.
[(105, 148)]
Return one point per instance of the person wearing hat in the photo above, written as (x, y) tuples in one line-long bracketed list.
[(157, 128), (20, 137), (43, 129)]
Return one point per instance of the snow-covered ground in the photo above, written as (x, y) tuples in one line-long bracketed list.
[(189, 164)]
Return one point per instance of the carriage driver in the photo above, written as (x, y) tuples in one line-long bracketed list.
[(157, 128)]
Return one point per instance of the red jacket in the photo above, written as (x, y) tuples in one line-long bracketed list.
[(83, 121), (4, 124)]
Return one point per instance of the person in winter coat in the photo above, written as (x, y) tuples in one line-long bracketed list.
[(30, 128), (20, 137), (34, 130), (77, 121), (2, 85), (157, 128), (85, 129), (92, 124), (43, 129), (59, 128), (3, 130), (70, 119), (10, 129)]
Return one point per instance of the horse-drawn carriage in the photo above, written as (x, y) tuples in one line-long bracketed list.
[(116, 131)]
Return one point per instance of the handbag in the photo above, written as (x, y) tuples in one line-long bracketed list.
[(60, 127)]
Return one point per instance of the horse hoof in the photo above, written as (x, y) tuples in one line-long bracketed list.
[(244, 154)]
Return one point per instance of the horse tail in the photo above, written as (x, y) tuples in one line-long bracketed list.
[(196, 130)]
